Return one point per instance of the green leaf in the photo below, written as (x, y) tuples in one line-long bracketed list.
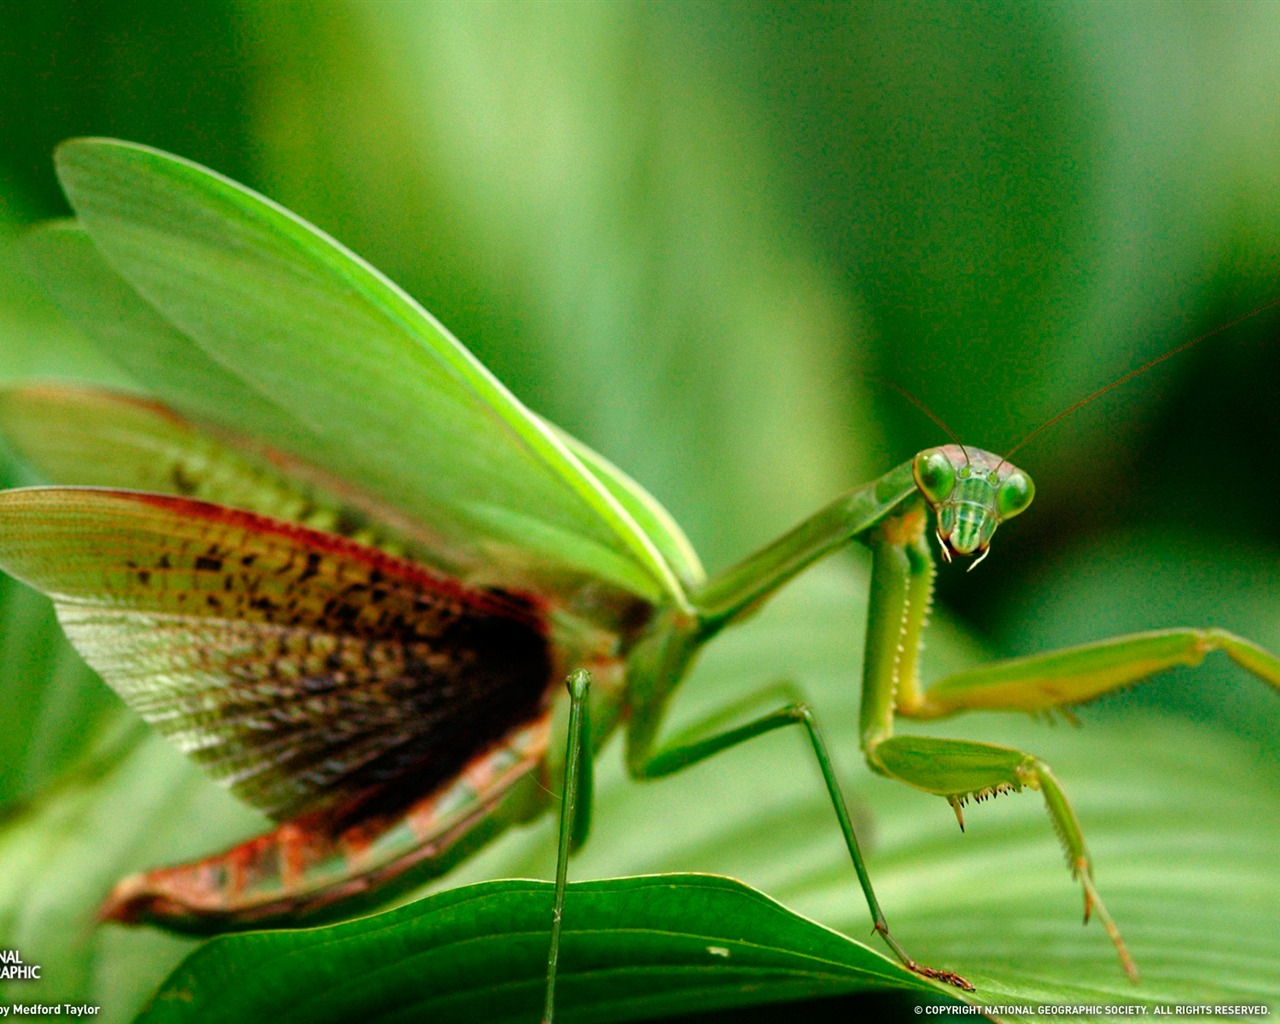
[(374, 389), (633, 948)]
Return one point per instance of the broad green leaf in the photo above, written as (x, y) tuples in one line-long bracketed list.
[(385, 397), (633, 948)]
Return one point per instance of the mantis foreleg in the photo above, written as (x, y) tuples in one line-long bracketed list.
[(960, 770), (1074, 675), (902, 575), (901, 589)]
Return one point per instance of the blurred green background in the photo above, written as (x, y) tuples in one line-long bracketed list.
[(690, 232)]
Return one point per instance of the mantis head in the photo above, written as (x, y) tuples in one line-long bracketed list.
[(971, 492)]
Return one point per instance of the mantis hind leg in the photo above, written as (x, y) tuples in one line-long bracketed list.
[(711, 736), (575, 815), (961, 770)]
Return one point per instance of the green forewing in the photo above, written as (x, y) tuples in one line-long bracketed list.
[(374, 390), (75, 435), (88, 436), (300, 668), (128, 329), (646, 510)]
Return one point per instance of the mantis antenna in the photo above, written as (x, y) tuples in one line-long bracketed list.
[(1149, 364), (919, 404)]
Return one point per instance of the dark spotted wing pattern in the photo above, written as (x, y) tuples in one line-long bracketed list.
[(304, 670)]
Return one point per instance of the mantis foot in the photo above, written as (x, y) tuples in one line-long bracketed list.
[(949, 977)]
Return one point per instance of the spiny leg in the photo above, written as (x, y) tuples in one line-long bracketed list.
[(901, 590), (961, 770), (1055, 680), (686, 750), (1059, 679), (1074, 675)]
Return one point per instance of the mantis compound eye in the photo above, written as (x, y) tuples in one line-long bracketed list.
[(1014, 494), (935, 475)]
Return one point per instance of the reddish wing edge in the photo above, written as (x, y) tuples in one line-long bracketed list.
[(74, 435), (522, 607)]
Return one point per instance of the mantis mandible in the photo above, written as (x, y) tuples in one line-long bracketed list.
[(370, 642)]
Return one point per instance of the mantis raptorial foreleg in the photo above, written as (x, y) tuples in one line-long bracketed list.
[(902, 578), (1074, 675), (958, 770)]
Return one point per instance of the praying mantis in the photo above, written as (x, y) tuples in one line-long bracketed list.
[(373, 645)]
